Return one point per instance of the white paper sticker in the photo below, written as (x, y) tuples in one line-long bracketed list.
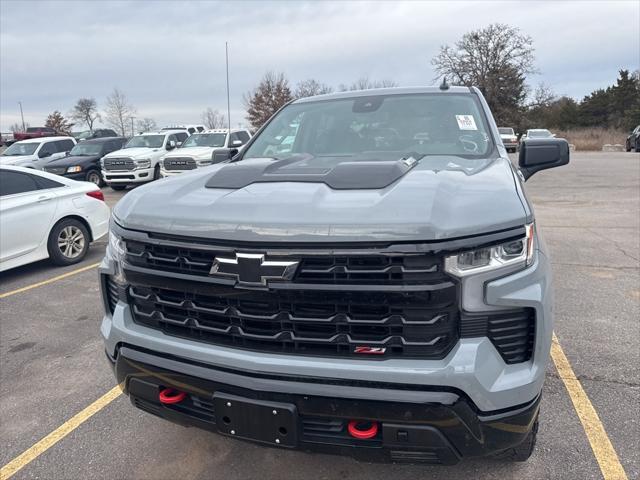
[(466, 122)]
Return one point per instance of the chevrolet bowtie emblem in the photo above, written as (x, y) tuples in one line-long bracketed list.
[(253, 269)]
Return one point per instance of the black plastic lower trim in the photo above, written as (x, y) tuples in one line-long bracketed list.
[(425, 426)]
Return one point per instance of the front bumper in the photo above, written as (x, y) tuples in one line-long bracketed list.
[(171, 173), (417, 425), (473, 366), (125, 177)]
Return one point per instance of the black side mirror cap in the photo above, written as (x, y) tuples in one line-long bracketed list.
[(542, 153), (223, 154)]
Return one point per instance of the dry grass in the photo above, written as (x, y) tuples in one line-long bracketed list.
[(592, 138)]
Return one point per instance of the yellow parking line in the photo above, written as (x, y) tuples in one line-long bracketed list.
[(58, 434), (600, 443), (51, 280)]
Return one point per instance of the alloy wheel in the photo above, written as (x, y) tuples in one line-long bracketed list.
[(71, 241)]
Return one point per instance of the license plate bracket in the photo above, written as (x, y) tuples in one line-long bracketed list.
[(255, 420)]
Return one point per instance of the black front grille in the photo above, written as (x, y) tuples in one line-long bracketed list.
[(118, 164), (360, 269), (111, 293), (179, 163), (56, 170), (422, 324)]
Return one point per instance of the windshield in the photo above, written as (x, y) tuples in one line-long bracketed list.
[(205, 140), (83, 135), (86, 149), (20, 149), (539, 133), (148, 141), (506, 131), (377, 127)]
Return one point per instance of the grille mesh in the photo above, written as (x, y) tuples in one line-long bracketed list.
[(118, 164), (179, 163), (417, 324)]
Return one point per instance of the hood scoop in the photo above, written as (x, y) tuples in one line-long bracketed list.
[(344, 175)]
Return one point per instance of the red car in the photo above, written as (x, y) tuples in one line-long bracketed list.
[(35, 132)]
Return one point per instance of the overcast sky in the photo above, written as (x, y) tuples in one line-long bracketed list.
[(168, 56)]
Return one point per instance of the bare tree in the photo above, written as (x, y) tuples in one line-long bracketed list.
[(543, 96), (213, 118), (86, 111), (496, 59), (271, 94), (364, 83), (57, 121), (118, 111), (311, 87), (17, 127), (147, 125)]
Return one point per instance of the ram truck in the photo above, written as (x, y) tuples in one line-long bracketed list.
[(376, 288), (198, 150), (140, 158), (36, 132)]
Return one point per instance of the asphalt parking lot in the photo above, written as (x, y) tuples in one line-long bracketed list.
[(52, 363)]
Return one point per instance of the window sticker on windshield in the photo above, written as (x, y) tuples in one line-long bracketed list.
[(466, 122)]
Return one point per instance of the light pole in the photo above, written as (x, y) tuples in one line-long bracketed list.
[(226, 52), (24, 129)]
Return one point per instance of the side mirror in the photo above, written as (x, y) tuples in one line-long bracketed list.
[(237, 143), (223, 154), (541, 154), (171, 145), (42, 154)]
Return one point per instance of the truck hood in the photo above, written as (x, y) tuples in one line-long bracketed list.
[(135, 153), (73, 160), (16, 159), (439, 198), (195, 152)]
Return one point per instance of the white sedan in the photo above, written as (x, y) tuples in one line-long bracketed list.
[(47, 216)]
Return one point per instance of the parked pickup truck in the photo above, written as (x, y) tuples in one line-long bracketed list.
[(36, 132), (376, 288)]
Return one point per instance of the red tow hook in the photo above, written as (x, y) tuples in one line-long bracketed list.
[(362, 430), (169, 396)]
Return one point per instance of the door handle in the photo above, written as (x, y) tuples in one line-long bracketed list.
[(43, 199)]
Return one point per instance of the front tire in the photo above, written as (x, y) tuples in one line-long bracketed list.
[(94, 176), (68, 242), (522, 452), (156, 172)]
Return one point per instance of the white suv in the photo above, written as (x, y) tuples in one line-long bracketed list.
[(198, 150), (139, 160), (37, 152)]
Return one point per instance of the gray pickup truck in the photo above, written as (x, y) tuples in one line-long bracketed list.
[(364, 278)]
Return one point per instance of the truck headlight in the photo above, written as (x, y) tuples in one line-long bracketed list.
[(486, 259), (74, 169), (117, 250), (143, 163), (204, 161)]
